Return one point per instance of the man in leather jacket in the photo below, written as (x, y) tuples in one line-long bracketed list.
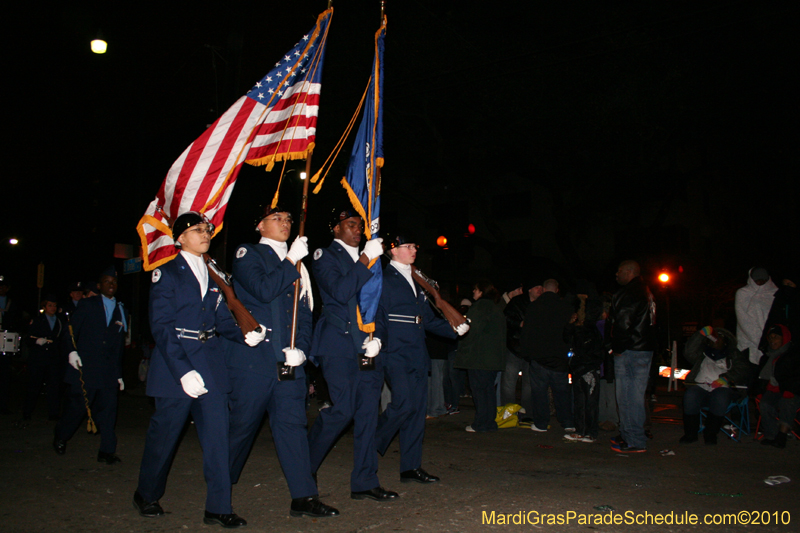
[(630, 337)]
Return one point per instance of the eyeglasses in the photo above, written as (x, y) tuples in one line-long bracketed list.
[(409, 246), (281, 220), (201, 231)]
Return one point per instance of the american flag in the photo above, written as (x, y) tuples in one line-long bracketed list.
[(362, 181), (275, 121)]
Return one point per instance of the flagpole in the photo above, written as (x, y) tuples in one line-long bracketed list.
[(300, 233)]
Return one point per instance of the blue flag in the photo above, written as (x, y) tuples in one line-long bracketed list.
[(362, 182)]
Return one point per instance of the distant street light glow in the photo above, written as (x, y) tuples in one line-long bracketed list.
[(99, 46), (13, 241), (663, 278), (302, 175)]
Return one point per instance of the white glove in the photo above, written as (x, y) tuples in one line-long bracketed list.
[(371, 347), (462, 329), (121, 384), (373, 248), (294, 356), (298, 250), (41, 341), (253, 338), (75, 360), (193, 384)]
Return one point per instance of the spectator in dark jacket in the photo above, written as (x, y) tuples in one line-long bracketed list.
[(630, 337), (586, 347), (482, 352), (781, 401), (516, 366), (543, 344)]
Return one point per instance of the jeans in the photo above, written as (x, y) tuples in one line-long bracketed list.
[(483, 395), (454, 379), (586, 394), (773, 407), (436, 405), (632, 370), (558, 382), (508, 394), (717, 400)]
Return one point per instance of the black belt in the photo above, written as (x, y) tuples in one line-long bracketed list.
[(191, 334), (405, 319)]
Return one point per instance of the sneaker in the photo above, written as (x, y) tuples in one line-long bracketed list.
[(453, 411), (627, 449), (469, 429), (617, 441), (588, 439), (574, 437), (570, 429), (534, 428), (525, 423)]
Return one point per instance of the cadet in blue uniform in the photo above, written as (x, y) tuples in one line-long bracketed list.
[(75, 297), (340, 271), (45, 361), (188, 375), (264, 279), (98, 332), (406, 315)]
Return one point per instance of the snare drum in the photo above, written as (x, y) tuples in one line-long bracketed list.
[(9, 342)]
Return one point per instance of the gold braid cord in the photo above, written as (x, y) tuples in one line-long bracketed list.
[(90, 425)]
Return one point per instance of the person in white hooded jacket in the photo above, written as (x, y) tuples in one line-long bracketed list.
[(752, 304)]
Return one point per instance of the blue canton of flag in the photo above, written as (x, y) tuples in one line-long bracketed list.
[(362, 182)]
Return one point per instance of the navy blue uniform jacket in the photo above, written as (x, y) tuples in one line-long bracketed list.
[(404, 340), (175, 303), (98, 345), (265, 285), (49, 352), (339, 280)]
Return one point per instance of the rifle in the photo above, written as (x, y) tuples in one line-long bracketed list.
[(243, 317), (431, 287)]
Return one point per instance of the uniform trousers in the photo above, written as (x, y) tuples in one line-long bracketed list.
[(406, 414), (103, 403), (210, 415), (252, 396), (355, 395), (49, 373)]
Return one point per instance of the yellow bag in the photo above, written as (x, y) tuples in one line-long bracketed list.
[(507, 416)]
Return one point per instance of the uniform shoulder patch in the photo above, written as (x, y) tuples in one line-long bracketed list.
[(240, 252), (317, 253), (156, 275)]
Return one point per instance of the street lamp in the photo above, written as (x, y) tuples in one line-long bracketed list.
[(664, 279), (99, 46), (12, 241)]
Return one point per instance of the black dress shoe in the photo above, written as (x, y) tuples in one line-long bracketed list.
[(60, 446), (229, 521), (379, 494), (418, 475), (145, 508), (108, 458), (311, 506)]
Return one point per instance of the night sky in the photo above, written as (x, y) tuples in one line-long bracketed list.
[(571, 134)]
